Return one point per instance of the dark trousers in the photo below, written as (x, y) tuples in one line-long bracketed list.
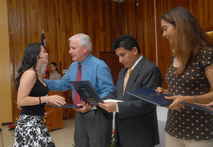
[(93, 129)]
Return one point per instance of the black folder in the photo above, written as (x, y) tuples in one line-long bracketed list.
[(65, 106), (200, 107), (87, 92), (151, 96)]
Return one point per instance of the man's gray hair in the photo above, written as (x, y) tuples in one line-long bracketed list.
[(83, 40)]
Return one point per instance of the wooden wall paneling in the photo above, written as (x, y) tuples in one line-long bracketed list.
[(67, 33), (12, 9), (193, 8), (58, 31), (45, 12), (145, 29), (84, 10), (107, 23), (124, 19), (97, 27), (37, 30), (112, 60), (130, 18), (148, 30), (28, 22), (32, 21), (205, 14), (83, 18), (56, 28), (151, 49), (201, 10), (183, 3), (139, 25), (24, 25), (209, 6), (138, 21), (9, 9), (91, 23), (75, 18), (51, 25), (100, 31), (116, 21)]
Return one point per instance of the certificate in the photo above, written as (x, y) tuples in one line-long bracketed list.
[(87, 92), (151, 96), (200, 107)]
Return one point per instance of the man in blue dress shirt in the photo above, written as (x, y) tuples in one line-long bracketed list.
[(93, 128)]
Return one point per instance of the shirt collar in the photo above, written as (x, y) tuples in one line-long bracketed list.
[(86, 60), (139, 59)]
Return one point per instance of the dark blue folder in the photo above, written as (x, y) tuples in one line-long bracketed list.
[(200, 107), (65, 106), (151, 96), (87, 92)]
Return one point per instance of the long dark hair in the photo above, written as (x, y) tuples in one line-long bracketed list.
[(29, 60), (189, 36), (53, 63)]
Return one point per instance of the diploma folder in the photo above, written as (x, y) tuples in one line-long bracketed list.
[(65, 106), (86, 92), (151, 96), (200, 107)]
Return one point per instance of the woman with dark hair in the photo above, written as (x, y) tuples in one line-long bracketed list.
[(32, 96), (54, 75), (189, 79)]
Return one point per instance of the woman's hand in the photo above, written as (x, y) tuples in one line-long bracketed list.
[(177, 99), (56, 100), (161, 90), (210, 104)]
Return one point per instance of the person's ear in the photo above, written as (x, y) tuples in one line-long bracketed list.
[(135, 50), (85, 48)]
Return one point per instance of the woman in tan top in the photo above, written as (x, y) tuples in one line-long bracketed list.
[(54, 75)]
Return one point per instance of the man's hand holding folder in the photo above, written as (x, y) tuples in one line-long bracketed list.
[(83, 107)]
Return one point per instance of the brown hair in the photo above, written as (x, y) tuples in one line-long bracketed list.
[(189, 36)]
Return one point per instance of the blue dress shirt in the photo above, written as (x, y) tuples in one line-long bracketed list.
[(92, 69)]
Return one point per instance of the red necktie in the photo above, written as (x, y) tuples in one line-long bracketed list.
[(78, 78)]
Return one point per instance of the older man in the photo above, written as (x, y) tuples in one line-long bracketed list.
[(93, 128)]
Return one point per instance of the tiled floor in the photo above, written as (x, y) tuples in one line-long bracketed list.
[(62, 137)]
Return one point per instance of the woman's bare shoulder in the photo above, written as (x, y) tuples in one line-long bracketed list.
[(29, 74)]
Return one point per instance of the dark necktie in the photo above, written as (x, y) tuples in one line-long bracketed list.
[(78, 78)]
